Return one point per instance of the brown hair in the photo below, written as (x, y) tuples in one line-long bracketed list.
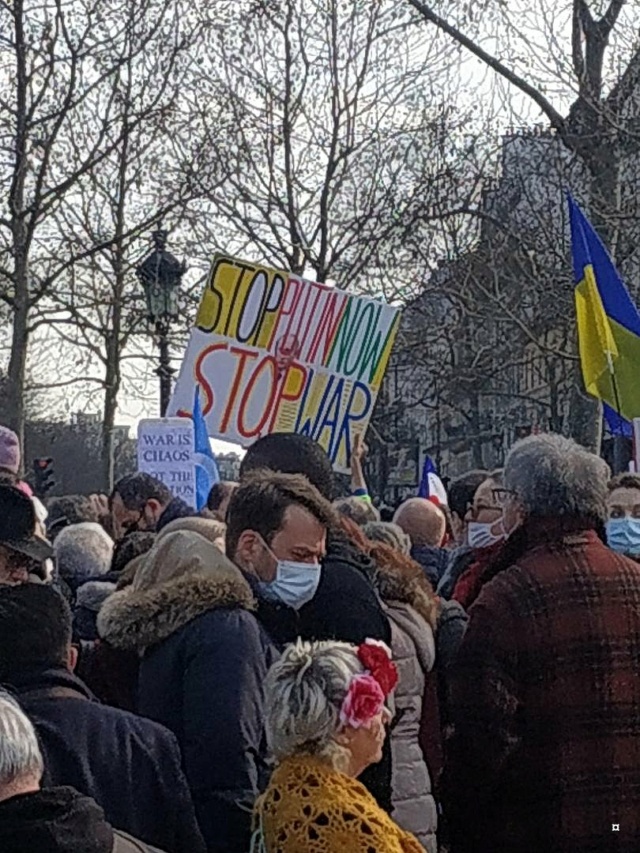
[(262, 499), (397, 577), (220, 491), (624, 481)]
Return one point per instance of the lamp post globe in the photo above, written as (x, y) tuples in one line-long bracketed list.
[(160, 275)]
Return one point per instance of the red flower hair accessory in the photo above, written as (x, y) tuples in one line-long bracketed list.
[(375, 657), (363, 702)]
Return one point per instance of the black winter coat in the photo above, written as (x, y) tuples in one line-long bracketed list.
[(60, 820), (130, 766), (202, 674)]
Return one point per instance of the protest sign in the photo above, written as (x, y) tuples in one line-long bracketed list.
[(273, 352), (166, 451)]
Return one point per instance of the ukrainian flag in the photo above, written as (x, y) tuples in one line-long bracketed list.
[(608, 321)]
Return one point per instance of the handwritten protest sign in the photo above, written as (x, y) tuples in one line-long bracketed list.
[(275, 353), (166, 451)]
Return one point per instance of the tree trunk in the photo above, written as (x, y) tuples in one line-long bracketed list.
[(14, 417), (113, 376), (20, 237), (112, 384)]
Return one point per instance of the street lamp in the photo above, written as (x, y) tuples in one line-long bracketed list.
[(160, 274)]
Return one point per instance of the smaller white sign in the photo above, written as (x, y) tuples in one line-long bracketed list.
[(166, 451)]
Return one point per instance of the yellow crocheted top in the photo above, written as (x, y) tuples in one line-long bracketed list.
[(310, 808)]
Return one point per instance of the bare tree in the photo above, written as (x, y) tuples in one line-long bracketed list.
[(99, 307), (66, 114), (574, 39), (331, 141), (578, 64)]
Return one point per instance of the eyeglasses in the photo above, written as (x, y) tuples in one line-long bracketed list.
[(501, 496)]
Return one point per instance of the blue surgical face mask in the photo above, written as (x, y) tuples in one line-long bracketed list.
[(484, 534), (295, 584), (623, 535)]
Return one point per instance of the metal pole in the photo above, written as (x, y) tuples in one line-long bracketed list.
[(164, 371), (620, 445)]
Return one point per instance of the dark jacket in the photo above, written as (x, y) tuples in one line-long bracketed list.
[(90, 597), (459, 561), (433, 560), (177, 508), (545, 693), (111, 674), (345, 607), (60, 820), (130, 766), (202, 674)]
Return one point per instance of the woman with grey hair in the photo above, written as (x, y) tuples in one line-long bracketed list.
[(545, 689), (325, 722), (389, 534), (50, 820)]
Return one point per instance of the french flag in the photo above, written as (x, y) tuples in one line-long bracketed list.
[(431, 486)]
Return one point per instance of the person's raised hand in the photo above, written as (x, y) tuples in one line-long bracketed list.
[(360, 448)]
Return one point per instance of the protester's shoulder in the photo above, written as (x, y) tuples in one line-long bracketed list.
[(126, 723), (507, 595), (228, 625)]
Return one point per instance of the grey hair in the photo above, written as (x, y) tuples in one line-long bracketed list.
[(389, 534), (305, 690), (83, 551), (20, 756), (553, 476), (359, 510)]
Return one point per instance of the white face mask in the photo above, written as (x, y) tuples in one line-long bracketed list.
[(295, 583), (482, 535)]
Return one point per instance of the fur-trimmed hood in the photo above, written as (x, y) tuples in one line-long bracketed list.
[(182, 577)]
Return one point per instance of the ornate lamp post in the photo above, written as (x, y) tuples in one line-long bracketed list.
[(160, 274)]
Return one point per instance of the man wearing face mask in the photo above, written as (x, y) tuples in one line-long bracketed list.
[(544, 692), (484, 537), (623, 525), (296, 598), (141, 503), (277, 534), (345, 605)]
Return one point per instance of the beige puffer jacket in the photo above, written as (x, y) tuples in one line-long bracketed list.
[(413, 646)]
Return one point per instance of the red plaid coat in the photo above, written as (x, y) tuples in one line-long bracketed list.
[(545, 704)]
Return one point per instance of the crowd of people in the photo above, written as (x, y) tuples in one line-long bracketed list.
[(292, 670)]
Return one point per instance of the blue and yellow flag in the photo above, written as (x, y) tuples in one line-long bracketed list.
[(608, 321)]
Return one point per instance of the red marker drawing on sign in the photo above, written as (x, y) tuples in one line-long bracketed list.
[(288, 349)]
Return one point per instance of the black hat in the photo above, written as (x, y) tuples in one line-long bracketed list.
[(18, 525)]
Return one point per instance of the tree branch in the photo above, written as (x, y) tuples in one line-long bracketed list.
[(556, 120)]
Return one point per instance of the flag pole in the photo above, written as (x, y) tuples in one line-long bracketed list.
[(619, 447)]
